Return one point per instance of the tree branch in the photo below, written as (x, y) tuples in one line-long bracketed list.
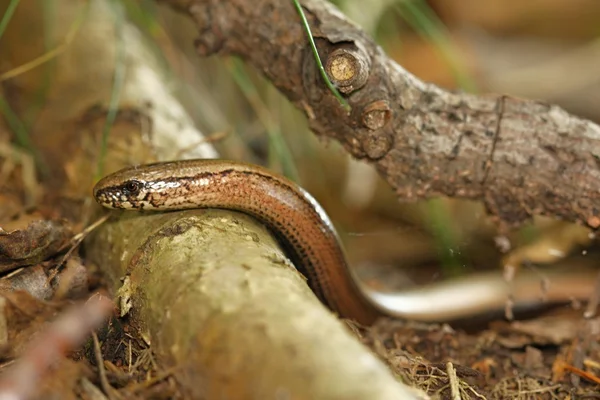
[(519, 157)]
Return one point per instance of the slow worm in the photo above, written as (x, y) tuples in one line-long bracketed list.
[(310, 240)]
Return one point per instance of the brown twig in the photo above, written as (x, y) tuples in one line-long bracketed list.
[(75, 242), (108, 390), (519, 157)]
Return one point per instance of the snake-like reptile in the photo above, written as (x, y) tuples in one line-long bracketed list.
[(310, 240)]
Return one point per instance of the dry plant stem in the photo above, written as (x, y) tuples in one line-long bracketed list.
[(453, 381), (108, 390), (519, 157), (226, 310)]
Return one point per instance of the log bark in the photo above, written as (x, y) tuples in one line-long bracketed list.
[(520, 157), (223, 305)]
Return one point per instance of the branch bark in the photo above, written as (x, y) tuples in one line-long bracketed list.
[(520, 157)]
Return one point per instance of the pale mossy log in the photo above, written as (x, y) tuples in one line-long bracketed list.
[(219, 301)]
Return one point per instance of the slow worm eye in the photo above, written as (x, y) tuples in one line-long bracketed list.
[(132, 187)]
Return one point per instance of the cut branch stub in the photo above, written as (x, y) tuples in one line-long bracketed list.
[(348, 69), (376, 115), (377, 145), (378, 141)]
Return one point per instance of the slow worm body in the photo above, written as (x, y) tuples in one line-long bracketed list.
[(309, 238)]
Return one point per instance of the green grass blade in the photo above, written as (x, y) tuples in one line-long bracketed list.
[(418, 14), (313, 46), (10, 10)]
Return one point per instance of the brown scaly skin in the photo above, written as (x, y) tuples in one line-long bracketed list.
[(297, 220), (310, 239)]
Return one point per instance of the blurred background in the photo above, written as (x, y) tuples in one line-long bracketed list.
[(68, 67)]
